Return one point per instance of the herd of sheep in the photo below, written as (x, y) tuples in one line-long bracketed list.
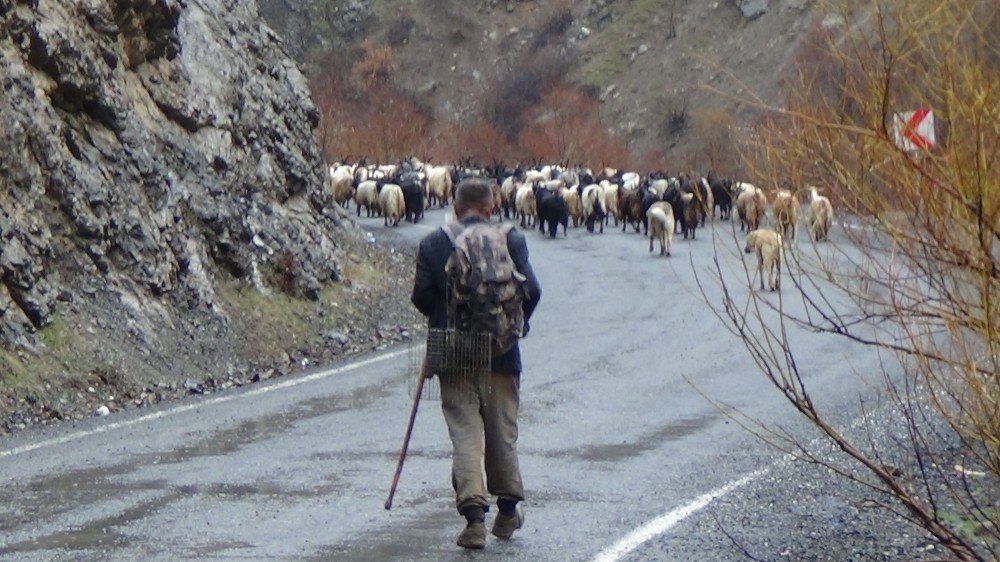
[(546, 197)]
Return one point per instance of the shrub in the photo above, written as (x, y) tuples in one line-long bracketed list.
[(376, 64), (924, 274)]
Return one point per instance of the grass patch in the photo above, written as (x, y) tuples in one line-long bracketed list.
[(57, 336), (606, 55), (63, 357), (970, 528), (275, 317), (275, 321), (13, 372)]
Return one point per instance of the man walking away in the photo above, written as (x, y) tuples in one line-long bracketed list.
[(481, 418)]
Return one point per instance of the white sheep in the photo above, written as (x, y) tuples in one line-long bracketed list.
[(786, 213), (609, 199), (659, 186), (709, 203), (438, 185), (569, 177), (525, 205), (661, 226), (553, 185), (742, 187), (367, 197), (390, 199), (593, 207), (388, 170), (536, 176), (574, 205), (820, 215), (508, 191), (751, 205), (766, 243), (631, 180), (340, 183)]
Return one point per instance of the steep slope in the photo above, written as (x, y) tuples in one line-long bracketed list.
[(652, 64), (162, 215)]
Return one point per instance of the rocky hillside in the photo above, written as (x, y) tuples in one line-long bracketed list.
[(652, 64), (161, 214)]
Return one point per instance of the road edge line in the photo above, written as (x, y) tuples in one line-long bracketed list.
[(672, 518), (201, 404)]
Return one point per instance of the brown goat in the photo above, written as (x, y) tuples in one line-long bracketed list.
[(766, 243), (786, 213)]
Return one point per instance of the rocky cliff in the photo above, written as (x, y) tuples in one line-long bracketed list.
[(157, 169)]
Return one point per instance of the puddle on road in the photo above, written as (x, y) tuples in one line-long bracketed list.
[(432, 454), (255, 430), (49, 497), (95, 534), (400, 542), (611, 452)]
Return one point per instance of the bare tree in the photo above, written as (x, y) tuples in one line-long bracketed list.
[(923, 253)]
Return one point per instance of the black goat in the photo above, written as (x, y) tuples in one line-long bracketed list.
[(552, 210), (413, 196), (722, 195)]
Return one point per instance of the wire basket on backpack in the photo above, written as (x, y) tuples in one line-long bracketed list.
[(431, 390), (455, 357)]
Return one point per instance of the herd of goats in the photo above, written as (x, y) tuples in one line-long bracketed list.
[(549, 196)]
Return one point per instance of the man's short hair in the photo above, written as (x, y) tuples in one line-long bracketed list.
[(474, 193)]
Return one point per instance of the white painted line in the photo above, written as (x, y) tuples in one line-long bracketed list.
[(202, 404), (668, 520)]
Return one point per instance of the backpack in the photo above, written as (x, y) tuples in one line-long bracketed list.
[(485, 289)]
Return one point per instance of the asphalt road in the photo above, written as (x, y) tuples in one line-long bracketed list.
[(619, 444)]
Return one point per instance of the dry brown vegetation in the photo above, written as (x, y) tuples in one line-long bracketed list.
[(536, 118), (923, 268)]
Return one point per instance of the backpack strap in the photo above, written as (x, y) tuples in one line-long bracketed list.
[(452, 231)]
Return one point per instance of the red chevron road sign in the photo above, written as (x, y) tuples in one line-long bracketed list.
[(914, 130)]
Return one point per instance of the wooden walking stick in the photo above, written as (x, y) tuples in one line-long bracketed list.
[(409, 431)]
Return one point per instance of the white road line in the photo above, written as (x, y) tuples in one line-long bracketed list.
[(668, 520), (203, 404)]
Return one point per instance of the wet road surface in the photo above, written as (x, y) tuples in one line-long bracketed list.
[(616, 430)]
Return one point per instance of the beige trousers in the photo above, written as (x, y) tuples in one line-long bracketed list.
[(482, 423)]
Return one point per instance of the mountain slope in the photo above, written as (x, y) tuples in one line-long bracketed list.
[(651, 63)]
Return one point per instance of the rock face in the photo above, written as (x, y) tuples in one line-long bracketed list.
[(752, 9), (305, 24), (151, 149)]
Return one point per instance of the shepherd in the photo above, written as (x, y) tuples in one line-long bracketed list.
[(460, 269)]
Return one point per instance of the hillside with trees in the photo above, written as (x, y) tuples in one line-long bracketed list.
[(643, 84)]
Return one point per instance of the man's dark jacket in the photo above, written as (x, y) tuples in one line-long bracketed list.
[(430, 287)]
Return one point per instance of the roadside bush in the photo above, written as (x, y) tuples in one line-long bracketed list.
[(565, 126), (555, 26), (713, 133), (519, 85), (924, 255), (375, 66)]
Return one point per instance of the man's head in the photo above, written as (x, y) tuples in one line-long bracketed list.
[(473, 197)]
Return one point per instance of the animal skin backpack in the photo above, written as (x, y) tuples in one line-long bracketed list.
[(486, 291)]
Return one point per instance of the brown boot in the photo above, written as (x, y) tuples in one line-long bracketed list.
[(473, 536), (505, 525)]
